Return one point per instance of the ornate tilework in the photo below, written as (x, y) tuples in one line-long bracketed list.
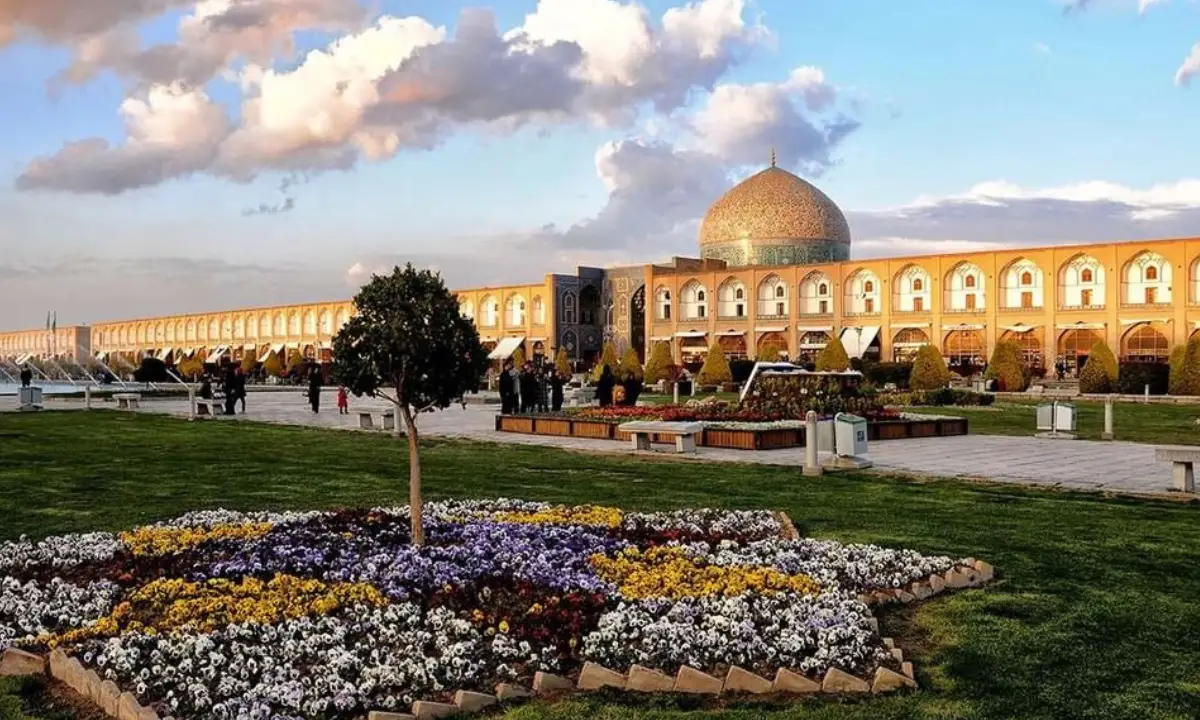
[(776, 252), (774, 204)]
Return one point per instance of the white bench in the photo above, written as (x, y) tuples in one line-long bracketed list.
[(205, 407), (366, 420), (1183, 460), (128, 401), (684, 432)]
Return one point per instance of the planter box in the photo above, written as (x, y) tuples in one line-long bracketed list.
[(773, 439)]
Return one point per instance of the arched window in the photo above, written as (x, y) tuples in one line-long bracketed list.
[(862, 297), (662, 301), (490, 308), (1026, 278), (969, 281), (1086, 275), (918, 285), (1147, 344), (772, 297), (1081, 283), (779, 291), (570, 308), (731, 299), (869, 286), (467, 309), (514, 310), (1151, 273), (814, 294), (693, 301), (822, 289), (962, 288), (539, 311), (1147, 280)]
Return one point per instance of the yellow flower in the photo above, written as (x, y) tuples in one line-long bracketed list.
[(668, 572), (504, 626), (591, 515), (168, 540)]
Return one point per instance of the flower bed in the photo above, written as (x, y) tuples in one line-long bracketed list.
[(748, 434), (330, 615)]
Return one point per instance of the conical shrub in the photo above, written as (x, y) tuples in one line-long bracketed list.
[(1006, 367), (656, 366), (929, 370), (833, 357), (1100, 373), (716, 368)]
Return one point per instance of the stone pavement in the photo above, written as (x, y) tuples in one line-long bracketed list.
[(1073, 464)]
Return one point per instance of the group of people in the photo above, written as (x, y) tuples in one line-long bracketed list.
[(607, 384), (530, 389), (232, 387)]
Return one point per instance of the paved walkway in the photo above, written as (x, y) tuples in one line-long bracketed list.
[(1077, 464)]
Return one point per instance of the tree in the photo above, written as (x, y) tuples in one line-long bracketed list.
[(189, 368), (715, 369), (273, 365), (1175, 377), (609, 358), (833, 357), (295, 359), (929, 370), (1100, 373), (410, 344), (249, 361), (770, 352), (656, 366), (562, 363), (631, 365), (1189, 372), (518, 358), (1007, 368)]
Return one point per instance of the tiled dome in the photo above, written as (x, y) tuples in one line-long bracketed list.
[(775, 218)]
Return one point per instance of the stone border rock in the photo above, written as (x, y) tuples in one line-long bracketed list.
[(124, 706)]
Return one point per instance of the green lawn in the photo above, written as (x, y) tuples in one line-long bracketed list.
[(1156, 423), (1095, 613)]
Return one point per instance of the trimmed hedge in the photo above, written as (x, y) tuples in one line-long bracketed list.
[(929, 370), (656, 366), (880, 374), (1101, 371), (715, 370), (609, 358), (1006, 368), (833, 357), (1133, 378)]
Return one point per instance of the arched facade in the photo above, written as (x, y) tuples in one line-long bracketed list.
[(731, 299), (662, 304), (514, 310), (466, 308), (1146, 281), (862, 293), (1031, 344), (489, 312), (913, 287), (1081, 283), (1074, 347), (1022, 286), (539, 310), (693, 301), (772, 298), (1146, 342), (907, 342), (816, 294), (965, 291)]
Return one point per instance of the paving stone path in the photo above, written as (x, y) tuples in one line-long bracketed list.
[(1074, 464)]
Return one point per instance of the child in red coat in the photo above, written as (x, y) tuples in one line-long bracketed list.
[(343, 402)]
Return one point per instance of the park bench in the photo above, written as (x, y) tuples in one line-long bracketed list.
[(206, 408), (387, 420), (127, 401), (1183, 460), (685, 433)]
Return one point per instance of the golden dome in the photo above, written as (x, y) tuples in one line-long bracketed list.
[(775, 218)]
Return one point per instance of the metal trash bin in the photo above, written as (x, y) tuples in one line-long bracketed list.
[(1064, 417), (31, 398), (1045, 417), (851, 433)]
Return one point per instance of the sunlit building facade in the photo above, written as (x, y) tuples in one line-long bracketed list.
[(774, 268)]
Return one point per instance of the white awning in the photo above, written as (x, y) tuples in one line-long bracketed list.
[(814, 328), (293, 346), (667, 338), (506, 348), (101, 355), (691, 333), (216, 354), (22, 359), (906, 326), (189, 352), (249, 346), (162, 354), (963, 327), (1082, 326), (1147, 320), (1022, 328), (778, 328), (857, 340), (731, 333), (273, 349)]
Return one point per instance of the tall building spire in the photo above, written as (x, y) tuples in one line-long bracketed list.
[(772, 157)]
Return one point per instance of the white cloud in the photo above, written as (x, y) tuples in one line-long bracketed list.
[(1042, 49), (402, 83), (1189, 68)]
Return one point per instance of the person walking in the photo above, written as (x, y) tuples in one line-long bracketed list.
[(604, 387), (343, 401), (314, 389), (528, 384), (508, 389), (26, 375), (231, 393), (240, 387), (543, 388)]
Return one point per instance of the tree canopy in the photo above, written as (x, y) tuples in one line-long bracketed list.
[(833, 356), (715, 370), (929, 370)]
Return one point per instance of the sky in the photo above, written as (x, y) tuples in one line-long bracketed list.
[(165, 156)]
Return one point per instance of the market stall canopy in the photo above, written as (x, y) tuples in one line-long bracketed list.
[(506, 348), (857, 340)]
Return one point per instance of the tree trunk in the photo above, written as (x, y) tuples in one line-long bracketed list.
[(396, 421), (414, 476)]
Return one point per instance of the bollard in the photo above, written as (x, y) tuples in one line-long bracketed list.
[(191, 404), (1108, 419), (812, 466), (675, 393), (87, 397), (1146, 397)]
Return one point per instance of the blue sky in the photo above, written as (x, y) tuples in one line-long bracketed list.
[(947, 95)]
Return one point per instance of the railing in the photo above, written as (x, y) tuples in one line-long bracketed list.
[(873, 313), (1073, 308), (963, 311), (1020, 309), (733, 317), (922, 311), (1147, 306), (816, 315), (771, 316)]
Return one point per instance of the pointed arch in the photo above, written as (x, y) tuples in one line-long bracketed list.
[(1081, 283), (662, 303), (816, 294), (862, 293), (731, 299), (964, 289), (1146, 280), (1022, 285), (772, 297), (913, 289), (693, 301)]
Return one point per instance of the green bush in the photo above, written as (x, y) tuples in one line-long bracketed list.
[(929, 371), (1007, 368), (518, 358), (880, 374), (1175, 372), (562, 363), (630, 365), (770, 352), (833, 357), (716, 368), (609, 358), (1189, 379), (1101, 371), (1133, 377), (939, 398), (656, 366)]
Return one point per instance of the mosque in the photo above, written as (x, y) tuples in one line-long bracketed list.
[(774, 267)]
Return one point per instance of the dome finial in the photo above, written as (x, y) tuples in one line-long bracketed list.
[(772, 157)]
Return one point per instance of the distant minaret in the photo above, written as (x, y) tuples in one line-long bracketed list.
[(772, 157)]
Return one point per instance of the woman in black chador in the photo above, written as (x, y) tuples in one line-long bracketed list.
[(557, 382), (604, 388), (314, 389)]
